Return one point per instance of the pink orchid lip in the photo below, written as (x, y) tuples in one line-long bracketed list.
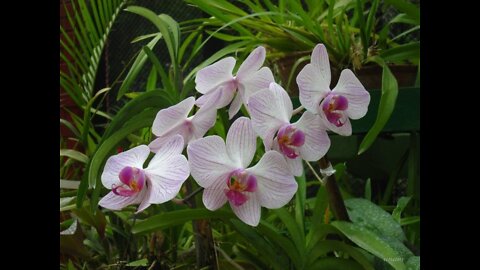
[(334, 107), (289, 140), (238, 183), (133, 180)]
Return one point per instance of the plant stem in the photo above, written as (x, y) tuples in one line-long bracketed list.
[(334, 196), (298, 110), (204, 245), (188, 197)]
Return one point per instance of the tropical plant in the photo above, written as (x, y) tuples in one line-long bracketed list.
[(350, 30), (309, 232)]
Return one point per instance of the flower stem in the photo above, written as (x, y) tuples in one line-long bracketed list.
[(188, 197), (204, 245), (298, 110), (334, 196)]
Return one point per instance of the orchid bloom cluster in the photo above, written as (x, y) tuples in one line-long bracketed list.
[(223, 168)]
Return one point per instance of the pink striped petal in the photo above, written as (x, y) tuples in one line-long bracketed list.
[(241, 142), (209, 161), (314, 79), (170, 148), (172, 118), (115, 202), (165, 179), (256, 82), (249, 212), (211, 77), (317, 141), (252, 63), (270, 109), (295, 165), (276, 184), (202, 121), (134, 157), (214, 196), (358, 98), (235, 105), (219, 98)]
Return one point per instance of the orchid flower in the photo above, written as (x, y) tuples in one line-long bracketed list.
[(271, 110), (174, 120), (348, 99), (132, 184), (218, 84), (222, 169)]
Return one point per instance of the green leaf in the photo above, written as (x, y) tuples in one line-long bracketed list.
[(136, 68), (413, 263), (269, 255), (293, 228), (221, 53), (283, 242), (369, 215), (336, 264), (153, 99), (409, 220), (74, 154), (168, 219), (405, 52), (401, 204), (152, 80), (324, 247), (406, 7), (141, 262), (300, 198), (368, 190), (385, 108), (371, 242), (167, 26)]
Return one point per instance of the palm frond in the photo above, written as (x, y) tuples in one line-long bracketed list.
[(91, 21)]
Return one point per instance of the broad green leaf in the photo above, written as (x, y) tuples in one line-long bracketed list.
[(136, 68), (371, 242), (177, 217), (385, 108), (74, 154), (413, 263), (369, 215), (326, 246)]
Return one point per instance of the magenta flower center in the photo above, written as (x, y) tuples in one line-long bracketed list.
[(290, 139), (334, 107), (239, 183), (133, 180)]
